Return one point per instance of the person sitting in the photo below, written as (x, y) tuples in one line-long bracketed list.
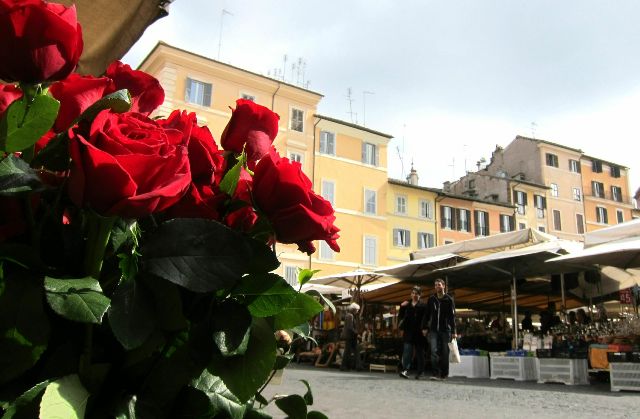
[(327, 355)]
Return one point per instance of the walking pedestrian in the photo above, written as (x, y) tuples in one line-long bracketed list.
[(411, 315), (350, 356), (440, 327)]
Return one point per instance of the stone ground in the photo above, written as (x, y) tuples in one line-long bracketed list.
[(386, 395)]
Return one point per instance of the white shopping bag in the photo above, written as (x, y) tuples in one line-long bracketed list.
[(454, 354)]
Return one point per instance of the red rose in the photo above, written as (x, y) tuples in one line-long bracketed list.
[(127, 165), (207, 168), (76, 93), (146, 92), (298, 215), (39, 41), (8, 94), (252, 127)]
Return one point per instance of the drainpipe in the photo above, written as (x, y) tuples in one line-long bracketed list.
[(273, 97), (313, 164), (436, 212)]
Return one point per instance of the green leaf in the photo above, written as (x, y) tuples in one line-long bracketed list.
[(119, 102), (306, 274), (232, 325), (266, 294), (222, 401), (314, 414), (282, 361), (55, 155), (126, 409), (64, 398), (169, 314), (308, 396), (263, 259), (303, 330), (79, 299), (322, 298), (20, 254), (16, 176), (294, 406), (24, 325), (302, 309), (24, 124), (244, 374), (28, 404), (230, 180), (131, 314), (200, 255)]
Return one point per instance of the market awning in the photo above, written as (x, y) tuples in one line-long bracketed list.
[(420, 267)]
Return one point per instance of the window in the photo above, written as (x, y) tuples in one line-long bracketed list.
[(426, 240), (522, 226), (328, 191), (616, 193), (506, 223), (463, 219), (401, 237), (197, 92), (447, 217), (247, 96), (596, 166), (521, 201), (326, 252), (615, 171), (577, 195), (297, 120), (472, 183), (580, 223), (574, 166), (295, 156), (542, 229), (370, 250), (554, 190), (291, 275), (481, 221), (370, 201), (620, 216), (401, 204), (557, 221), (426, 210), (540, 202), (601, 215), (552, 160), (597, 189), (327, 143), (369, 154)]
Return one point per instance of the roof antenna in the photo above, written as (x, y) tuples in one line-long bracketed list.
[(533, 130), (224, 12), (350, 99)]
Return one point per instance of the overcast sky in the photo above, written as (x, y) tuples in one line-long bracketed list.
[(449, 79)]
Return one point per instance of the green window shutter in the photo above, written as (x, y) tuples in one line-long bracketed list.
[(206, 98)]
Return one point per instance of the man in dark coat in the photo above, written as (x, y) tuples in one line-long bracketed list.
[(411, 315), (350, 356), (440, 327)]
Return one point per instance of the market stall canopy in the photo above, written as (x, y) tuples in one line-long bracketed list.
[(420, 267), (111, 27), (610, 281), (353, 279), (626, 230), (481, 246), (623, 253)]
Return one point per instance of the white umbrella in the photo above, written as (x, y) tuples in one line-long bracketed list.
[(354, 279), (420, 267), (623, 253)]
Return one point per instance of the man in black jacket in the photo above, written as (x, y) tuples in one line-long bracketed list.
[(411, 315), (440, 327)]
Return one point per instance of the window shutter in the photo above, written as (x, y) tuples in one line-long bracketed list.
[(476, 226), (442, 217), (455, 216), (512, 223), (606, 218), (364, 152), (524, 198), (486, 222), (206, 98), (408, 237), (375, 156), (187, 90)]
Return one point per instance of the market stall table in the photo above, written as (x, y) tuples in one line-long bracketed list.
[(562, 370), (470, 366), (519, 368)]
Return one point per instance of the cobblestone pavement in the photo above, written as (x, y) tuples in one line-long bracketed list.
[(386, 395)]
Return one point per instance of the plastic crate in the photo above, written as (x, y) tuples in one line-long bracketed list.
[(517, 368), (470, 366), (624, 376), (562, 370)]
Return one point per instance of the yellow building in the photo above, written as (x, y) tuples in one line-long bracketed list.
[(347, 163)]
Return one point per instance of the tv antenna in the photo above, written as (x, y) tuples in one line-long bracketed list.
[(364, 112), (222, 13), (350, 99), (533, 129), (453, 168)]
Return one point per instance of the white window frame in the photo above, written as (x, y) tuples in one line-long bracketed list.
[(297, 157), (577, 194), (370, 194), (597, 189), (401, 204), (447, 219), (401, 237), (194, 92), (580, 223), (328, 190), (574, 166), (552, 160), (505, 224), (555, 191), (327, 143), (370, 250), (296, 124), (520, 202), (483, 218), (426, 240), (291, 275), (616, 193), (464, 223), (619, 216), (370, 154), (325, 252), (557, 222), (602, 216), (426, 209)]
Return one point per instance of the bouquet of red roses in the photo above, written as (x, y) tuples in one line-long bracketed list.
[(135, 253)]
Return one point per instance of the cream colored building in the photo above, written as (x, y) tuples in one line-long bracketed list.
[(347, 163)]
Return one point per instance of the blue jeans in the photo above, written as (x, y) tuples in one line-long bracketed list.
[(407, 356), (439, 346)]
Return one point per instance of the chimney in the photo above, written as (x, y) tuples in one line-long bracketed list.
[(412, 179)]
